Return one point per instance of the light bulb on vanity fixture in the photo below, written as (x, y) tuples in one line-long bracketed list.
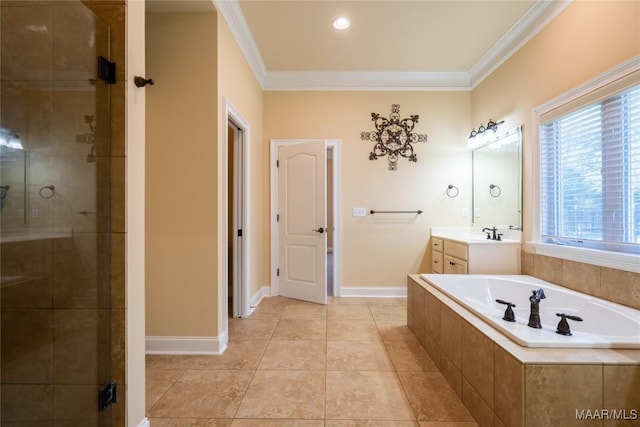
[(10, 139), (484, 133)]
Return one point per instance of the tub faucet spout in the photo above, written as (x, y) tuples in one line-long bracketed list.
[(534, 317)]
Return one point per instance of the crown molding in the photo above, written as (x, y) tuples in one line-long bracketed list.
[(372, 80), (534, 20), (232, 14)]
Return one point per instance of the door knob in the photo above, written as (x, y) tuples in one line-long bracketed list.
[(319, 230)]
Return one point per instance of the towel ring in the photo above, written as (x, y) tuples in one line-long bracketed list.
[(46, 195), (494, 190), (452, 191)]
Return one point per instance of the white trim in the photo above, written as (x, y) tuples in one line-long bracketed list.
[(186, 345), (232, 14), (336, 249), (273, 179), (627, 262), (541, 13), (337, 197), (366, 80), (264, 291), (619, 71), (531, 23), (232, 112), (392, 291), (617, 260), (144, 422)]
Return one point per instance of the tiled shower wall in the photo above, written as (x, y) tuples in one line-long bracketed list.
[(622, 287), (52, 318)]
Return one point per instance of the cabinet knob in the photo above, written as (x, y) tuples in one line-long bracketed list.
[(452, 263)]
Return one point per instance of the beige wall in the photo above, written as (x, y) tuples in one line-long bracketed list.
[(185, 188), (186, 172), (181, 174), (380, 250), (588, 38), (237, 85)]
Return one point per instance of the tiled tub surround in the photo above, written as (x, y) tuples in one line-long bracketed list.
[(504, 384), (622, 287)]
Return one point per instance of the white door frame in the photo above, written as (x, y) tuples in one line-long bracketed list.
[(334, 144), (242, 287)]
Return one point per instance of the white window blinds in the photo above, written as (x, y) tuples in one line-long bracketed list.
[(590, 175)]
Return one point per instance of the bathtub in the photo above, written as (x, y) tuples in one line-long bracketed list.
[(605, 324), (30, 234)]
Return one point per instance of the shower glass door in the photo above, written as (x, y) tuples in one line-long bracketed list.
[(55, 215)]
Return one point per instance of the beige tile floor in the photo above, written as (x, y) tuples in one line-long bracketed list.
[(351, 363)]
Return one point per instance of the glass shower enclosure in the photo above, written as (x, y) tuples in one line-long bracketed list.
[(54, 216)]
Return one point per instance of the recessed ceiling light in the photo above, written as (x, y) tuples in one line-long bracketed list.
[(341, 23)]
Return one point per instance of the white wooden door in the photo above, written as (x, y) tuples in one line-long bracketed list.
[(302, 224)]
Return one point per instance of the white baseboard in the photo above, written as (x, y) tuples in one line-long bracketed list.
[(352, 291), (144, 423), (186, 345), (264, 291)]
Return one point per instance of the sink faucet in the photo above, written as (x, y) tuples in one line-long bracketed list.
[(534, 317), (492, 235)]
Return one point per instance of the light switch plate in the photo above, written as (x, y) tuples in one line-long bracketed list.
[(359, 212)]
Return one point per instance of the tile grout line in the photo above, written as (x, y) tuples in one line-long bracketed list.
[(235, 413), (270, 340)]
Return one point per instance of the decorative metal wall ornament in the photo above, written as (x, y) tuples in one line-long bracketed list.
[(393, 137)]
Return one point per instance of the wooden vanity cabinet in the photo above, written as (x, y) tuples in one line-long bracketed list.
[(437, 257), (477, 257)]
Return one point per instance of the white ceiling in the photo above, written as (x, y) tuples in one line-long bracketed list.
[(391, 44)]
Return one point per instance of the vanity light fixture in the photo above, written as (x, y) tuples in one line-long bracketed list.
[(482, 135), (10, 139), (341, 23)]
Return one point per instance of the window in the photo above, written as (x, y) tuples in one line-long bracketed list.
[(590, 174)]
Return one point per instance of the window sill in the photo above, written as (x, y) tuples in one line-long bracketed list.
[(616, 260)]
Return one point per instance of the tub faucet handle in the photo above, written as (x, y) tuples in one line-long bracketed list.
[(563, 325), (508, 313)]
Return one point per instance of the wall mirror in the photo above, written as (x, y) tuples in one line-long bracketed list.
[(13, 186), (497, 180)]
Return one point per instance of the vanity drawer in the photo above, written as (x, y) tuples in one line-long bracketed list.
[(437, 262), (457, 250), (454, 265), (436, 244)]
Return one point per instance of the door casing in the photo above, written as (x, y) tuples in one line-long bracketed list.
[(242, 287), (334, 145)]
